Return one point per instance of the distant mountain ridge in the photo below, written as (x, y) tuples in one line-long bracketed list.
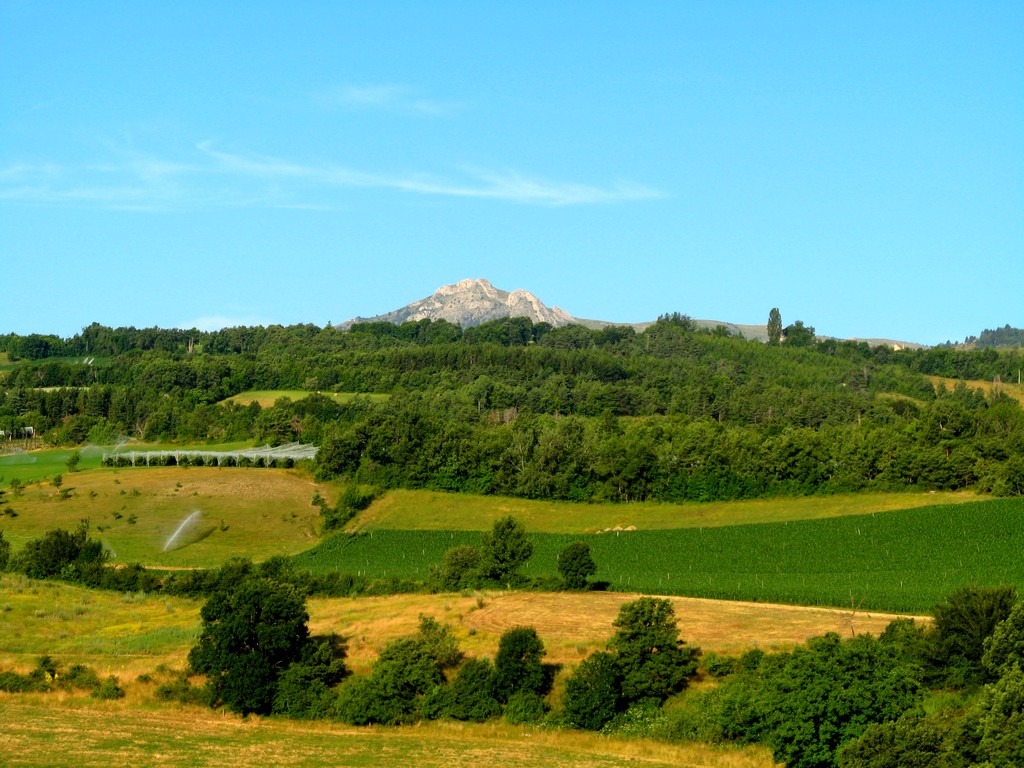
[(472, 302)]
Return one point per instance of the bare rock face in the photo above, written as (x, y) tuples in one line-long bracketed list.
[(471, 302)]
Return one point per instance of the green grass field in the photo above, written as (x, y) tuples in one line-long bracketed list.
[(253, 513), (33, 466), (436, 511), (902, 561), (111, 632)]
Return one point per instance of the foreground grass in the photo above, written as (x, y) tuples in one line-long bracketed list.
[(73, 731), (436, 511), (253, 513)]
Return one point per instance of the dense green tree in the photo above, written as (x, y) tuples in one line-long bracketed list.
[(459, 569), (654, 661), (593, 693), (440, 643), (1004, 648), (471, 693), (304, 689), (250, 636), (910, 742), (62, 553), (519, 665), (5, 552), (963, 622), (504, 550), (393, 693), (826, 693), (575, 564), (774, 326), (798, 334)]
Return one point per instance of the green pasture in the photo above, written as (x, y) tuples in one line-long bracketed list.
[(33, 466), (217, 512), (84, 626), (903, 561), (267, 397), (437, 511)]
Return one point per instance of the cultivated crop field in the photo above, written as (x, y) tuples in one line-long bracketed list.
[(900, 561)]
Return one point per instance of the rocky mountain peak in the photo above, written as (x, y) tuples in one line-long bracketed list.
[(471, 302)]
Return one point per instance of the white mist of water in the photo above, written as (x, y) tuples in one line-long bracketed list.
[(189, 521)]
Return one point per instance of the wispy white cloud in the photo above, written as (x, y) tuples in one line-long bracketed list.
[(510, 186), (392, 98), (217, 178)]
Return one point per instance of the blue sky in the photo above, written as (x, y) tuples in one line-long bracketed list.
[(858, 165)]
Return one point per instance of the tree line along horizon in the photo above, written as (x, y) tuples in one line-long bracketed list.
[(512, 407)]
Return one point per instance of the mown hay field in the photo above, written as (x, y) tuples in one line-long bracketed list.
[(43, 731), (437, 511)]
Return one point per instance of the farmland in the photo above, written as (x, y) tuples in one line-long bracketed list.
[(861, 550), (267, 397), (900, 561), (253, 513), (432, 511)]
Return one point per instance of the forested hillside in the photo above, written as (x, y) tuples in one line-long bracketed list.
[(516, 408)]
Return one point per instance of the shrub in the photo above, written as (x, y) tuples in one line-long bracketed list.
[(109, 689), (593, 693), (518, 665), (181, 690), (470, 693), (654, 662), (304, 690), (459, 569), (525, 708), (405, 672), (575, 564)]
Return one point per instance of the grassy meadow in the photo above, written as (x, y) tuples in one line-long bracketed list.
[(267, 397), (232, 512), (1011, 388), (37, 732), (437, 511), (120, 634)]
